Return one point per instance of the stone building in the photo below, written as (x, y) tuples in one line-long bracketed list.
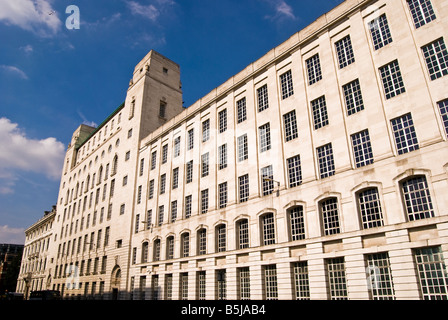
[(317, 172), (34, 272)]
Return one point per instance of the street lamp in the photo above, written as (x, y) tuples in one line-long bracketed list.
[(272, 180)]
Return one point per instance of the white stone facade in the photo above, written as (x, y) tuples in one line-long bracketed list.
[(318, 172)]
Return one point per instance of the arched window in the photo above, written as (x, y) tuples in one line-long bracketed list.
[(202, 241), (296, 223), (369, 207), (330, 216), (242, 234), (170, 247), (221, 238), (114, 165), (145, 248), (157, 250), (185, 244), (417, 199), (267, 223)]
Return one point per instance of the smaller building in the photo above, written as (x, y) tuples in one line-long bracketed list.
[(34, 274), (10, 255)]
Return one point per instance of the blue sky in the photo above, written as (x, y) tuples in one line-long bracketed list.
[(53, 78)]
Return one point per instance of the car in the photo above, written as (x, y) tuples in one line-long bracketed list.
[(45, 295)]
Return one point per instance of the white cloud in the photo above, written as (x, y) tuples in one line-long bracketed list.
[(12, 235), (27, 49), (149, 11), (14, 70), (282, 10), (31, 15), (20, 153)]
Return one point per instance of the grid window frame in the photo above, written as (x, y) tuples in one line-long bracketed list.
[(404, 134), (244, 283), (443, 108), (205, 164), (243, 234), (325, 161), (222, 193), (393, 84), (286, 84), (294, 171), (263, 98), (222, 120), (243, 152), (243, 188), (290, 122), (175, 178), (370, 209), (268, 228), (380, 32), (320, 113), (190, 144), (432, 273), (221, 238), (301, 280), (222, 156), (436, 58), (417, 198), (329, 209), (297, 223), (185, 244), (161, 215), (164, 153), (176, 147), (188, 202), (337, 280), (204, 201), (362, 148), (380, 282), (153, 160), (206, 130), (189, 173), (344, 51), (422, 12), (270, 282), (173, 211), (265, 137), (314, 69), (267, 182), (202, 241), (241, 110), (353, 97)]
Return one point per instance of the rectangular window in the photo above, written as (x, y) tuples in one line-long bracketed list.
[(436, 57), (417, 198), (262, 94), (205, 165), (190, 144), (221, 234), (314, 70), (286, 83), (142, 166), (161, 214), (294, 171), (265, 137), (168, 286), (362, 148), (165, 154), (222, 156), (202, 242), (336, 279), (204, 201), (432, 273), (162, 183), (267, 180), (222, 118), (206, 130), (404, 133), (301, 280), (222, 187), (242, 148), (325, 161), (149, 219), (201, 285), (151, 189), (330, 216), (184, 286), (443, 107), (244, 283), (189, 174), (392, 80), (188, 207), (270, 282), (177, 147), (243, 183), (185, 244), (422, 12), (290, 125), (370, 208), (173, 211), (344, 50), (379, 280), (353, 97), (153, 160), (241, 110), (380, 32), (320, 114), (162, 109), (175, 178)]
